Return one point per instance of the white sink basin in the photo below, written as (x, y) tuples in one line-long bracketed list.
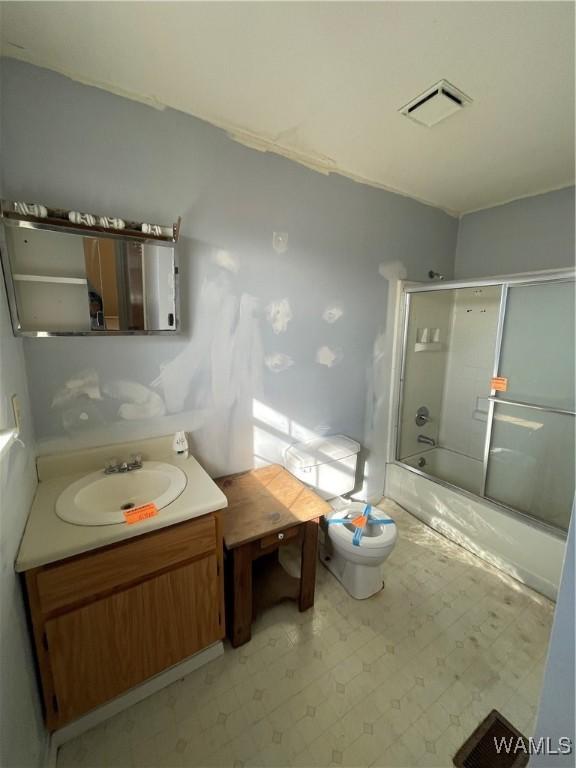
[(100, 499)]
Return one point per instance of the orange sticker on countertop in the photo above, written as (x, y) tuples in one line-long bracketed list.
[(138, 514), (499, 383)]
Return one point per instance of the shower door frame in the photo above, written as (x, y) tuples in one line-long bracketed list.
[(505, 281)]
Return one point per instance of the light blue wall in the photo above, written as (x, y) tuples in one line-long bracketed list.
[(72, 145), (557, 712), (22, 737), (530, 234)]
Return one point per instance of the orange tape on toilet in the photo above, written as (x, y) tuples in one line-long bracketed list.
[(360, 522), (138, 514)]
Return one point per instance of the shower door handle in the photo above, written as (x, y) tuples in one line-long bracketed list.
[(522, 404)]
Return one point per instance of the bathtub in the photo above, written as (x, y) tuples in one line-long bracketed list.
[(508, 541), (450, 466)]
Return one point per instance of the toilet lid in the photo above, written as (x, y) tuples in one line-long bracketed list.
[(374, 536)]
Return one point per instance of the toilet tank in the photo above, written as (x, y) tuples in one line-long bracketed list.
[(327, 464)]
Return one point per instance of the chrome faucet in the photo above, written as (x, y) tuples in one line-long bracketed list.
[(113, 466), (427, 440)]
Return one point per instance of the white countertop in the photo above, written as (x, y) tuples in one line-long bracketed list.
[(47, 538)]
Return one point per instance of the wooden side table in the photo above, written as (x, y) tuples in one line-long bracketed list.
[(267, 508)]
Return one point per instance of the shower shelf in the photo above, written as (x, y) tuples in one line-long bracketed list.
[(428, 346)]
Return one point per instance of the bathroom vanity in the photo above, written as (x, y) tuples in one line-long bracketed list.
[(106, 621), (111, 606)]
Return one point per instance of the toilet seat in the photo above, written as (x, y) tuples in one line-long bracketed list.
[(377, 537)]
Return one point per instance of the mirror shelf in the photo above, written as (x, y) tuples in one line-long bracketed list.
[(58, 220), (49, 279)]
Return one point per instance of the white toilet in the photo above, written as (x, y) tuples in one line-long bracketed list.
[(359, 566), (328, 465)]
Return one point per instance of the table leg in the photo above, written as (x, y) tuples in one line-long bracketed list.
[(241, 629), (308, 566)]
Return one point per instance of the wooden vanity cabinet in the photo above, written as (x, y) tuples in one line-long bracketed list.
[(109, 619)]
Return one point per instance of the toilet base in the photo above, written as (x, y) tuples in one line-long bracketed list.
[(360, 581)]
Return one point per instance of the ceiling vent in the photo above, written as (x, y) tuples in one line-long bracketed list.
[(436, 103)]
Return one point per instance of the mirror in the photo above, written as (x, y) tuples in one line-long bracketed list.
[(66, 283)]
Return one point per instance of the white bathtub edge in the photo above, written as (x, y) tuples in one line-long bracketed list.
[(526, 553)]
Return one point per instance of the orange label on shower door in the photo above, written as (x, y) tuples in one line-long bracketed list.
[(138, 514), (499, 383)]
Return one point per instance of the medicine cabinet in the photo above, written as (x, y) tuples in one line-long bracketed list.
[(73, 274)]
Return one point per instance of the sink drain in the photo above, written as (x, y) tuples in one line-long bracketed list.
[(128, 505)]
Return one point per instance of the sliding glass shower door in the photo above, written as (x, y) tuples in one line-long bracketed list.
[(530, 450), (448, 363), (487, 392)]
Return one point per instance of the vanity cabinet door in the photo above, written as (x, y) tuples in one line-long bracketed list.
[(104, 648)]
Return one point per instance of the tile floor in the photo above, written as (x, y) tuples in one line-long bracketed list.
[(398, 680)]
